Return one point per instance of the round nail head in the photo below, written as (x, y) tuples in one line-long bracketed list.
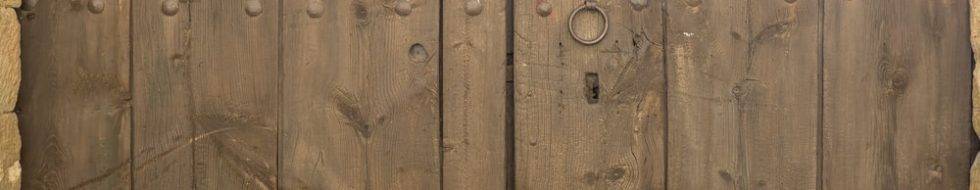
[(474, 7), (253, 8), (315, 9), (639, 4), (544, 8), (693, 3), (403, 8), (96, 6), (170, 7)]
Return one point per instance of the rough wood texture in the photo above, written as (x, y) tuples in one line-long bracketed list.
[(207, 95), (474, 94), (74, 102), (164, 133), (360, 95), (234, 84), (897, 90), (744, 94), (320, 94), (589, 117), (10, 141)]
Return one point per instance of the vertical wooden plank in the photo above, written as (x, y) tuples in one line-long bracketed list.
[(234, 95), (162, 83), (207, 94), (74, 102), (589, 117), (361, 94), (897, 84), (744, 94), (474, 94)]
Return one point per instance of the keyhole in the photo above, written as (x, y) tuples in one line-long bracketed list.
[(592, 88)]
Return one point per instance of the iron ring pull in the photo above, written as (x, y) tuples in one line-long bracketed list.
[(593, 5)]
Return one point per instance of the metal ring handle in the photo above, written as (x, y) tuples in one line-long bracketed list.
[(605, 20)]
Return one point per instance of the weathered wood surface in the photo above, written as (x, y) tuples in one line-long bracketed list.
[(10, 141), (235, 93), (897, 88), (744, 94), (74, 104), (360, 95), (163, 153), (206, 94), (589, 117), (372, 94), (474, 94)]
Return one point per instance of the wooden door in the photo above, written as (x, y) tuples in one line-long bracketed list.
[(75, 103), (495, 94), (589, 116), (744, 95), (206, 94), (360, 95), (896, 79)]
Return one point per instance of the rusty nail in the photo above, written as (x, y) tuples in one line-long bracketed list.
[(253, 7), (170, 7), (544, 8), (315, 9), (96, 6), (403, 7), (473, 7)]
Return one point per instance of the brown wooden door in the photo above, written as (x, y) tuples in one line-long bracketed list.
[(495, 94)]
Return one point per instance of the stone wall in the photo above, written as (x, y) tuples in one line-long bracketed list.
[(10, 143), (975, 39)]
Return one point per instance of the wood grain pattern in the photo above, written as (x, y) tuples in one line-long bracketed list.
[(897, 85), (474, 94), (418, 94), (207, 95), (570, 134), (74, 105), (234, 78), (744, 94), (360, 94), (164, 132)]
